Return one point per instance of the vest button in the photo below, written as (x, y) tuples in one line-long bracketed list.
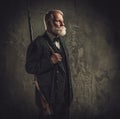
[(56, 81)]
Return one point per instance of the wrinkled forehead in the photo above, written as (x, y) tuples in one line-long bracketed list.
[(57, 16), (53, 15)]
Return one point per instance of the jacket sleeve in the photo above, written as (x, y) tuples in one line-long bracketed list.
[(36, 63)]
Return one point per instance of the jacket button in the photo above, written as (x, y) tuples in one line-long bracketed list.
[(57, 72)]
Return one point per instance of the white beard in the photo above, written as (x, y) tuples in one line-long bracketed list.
[(59, 31)]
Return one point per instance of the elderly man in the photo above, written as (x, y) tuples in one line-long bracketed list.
[(47, 59)]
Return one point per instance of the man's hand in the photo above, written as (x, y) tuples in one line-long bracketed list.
[(55, 58)]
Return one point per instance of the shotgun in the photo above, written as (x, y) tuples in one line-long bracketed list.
[(45, 105)]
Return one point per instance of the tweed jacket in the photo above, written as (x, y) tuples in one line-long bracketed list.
[(38, 63)]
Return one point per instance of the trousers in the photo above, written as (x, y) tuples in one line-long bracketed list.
[(64, 113)]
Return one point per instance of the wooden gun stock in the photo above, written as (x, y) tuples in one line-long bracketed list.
[(45, 105)]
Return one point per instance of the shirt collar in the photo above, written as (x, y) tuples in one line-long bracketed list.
[(51, 36)]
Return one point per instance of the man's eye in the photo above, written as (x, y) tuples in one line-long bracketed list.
[(56, 21)]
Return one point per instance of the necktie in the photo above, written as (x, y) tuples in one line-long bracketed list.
[(56, 42)]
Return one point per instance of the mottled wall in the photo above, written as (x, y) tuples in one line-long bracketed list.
[(93, 43)]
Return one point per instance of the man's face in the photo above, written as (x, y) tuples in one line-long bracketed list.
[(57, 24)]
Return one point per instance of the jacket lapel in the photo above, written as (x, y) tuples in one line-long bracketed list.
[(54, 49), (52, 45), (64, 48)]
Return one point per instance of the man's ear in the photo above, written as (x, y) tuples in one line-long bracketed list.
[(49, 25)]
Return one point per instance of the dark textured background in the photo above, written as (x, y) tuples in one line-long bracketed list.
[(93, 40)]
